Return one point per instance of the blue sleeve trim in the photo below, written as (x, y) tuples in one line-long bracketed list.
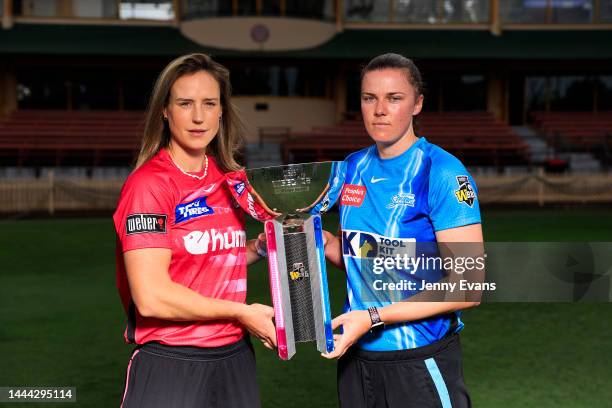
[(456, 224)]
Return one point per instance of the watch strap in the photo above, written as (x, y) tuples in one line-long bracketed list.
[(374, 316)]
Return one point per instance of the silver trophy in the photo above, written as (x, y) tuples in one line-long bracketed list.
[(297, 194)]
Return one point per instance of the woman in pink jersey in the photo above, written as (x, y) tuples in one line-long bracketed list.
[(182, 251)]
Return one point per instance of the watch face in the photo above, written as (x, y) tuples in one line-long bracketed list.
[(378, 327)]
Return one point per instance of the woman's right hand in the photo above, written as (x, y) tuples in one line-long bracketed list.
[(257, 319)]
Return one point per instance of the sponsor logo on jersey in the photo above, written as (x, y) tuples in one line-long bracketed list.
[(401, 199), (359, 244), (298, 272), (200, 192), (376, 180), (192, 209), (251, 206), (209, 189), (203, 242), (353, 195), (143, 223), (466, 193), (239, 188)]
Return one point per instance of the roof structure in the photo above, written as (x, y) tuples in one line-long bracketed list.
[(125, 40)]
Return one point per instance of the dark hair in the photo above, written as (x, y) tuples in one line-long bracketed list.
[(156, 133), (396, 61)]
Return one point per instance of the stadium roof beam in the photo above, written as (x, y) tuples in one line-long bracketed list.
[(50, 39)]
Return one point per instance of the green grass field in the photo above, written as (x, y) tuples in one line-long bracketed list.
[(61, 322)]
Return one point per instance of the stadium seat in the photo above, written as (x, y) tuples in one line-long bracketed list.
[(81, 138), (577, 131), (477, 138)]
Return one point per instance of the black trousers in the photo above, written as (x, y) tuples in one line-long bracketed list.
[(160, 376), (429, 376)]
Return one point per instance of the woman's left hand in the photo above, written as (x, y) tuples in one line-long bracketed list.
[(261, 244), (354, 325), (256, 248)]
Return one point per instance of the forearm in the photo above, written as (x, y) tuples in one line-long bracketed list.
[(410, 311), (156, 295), (172, 301), (333, 251)]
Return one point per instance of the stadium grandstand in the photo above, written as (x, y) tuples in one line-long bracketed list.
[(519, 90)]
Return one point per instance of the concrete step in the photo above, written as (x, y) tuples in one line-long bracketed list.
[(583, 162), (581, 156), (538, 148)]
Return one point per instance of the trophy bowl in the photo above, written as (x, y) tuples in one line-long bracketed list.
[(293, 189)]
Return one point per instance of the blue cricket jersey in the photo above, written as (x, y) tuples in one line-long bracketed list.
[(388, 207)]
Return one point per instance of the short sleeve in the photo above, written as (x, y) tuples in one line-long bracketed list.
[(453, 195), (335, 183), (143, 214), (246, 197)]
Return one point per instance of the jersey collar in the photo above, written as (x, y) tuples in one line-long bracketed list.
[(403, 155)]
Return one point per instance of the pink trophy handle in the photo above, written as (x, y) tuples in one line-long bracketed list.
[(281, 336)]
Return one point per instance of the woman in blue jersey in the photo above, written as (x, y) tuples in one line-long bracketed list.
[(398, 195)]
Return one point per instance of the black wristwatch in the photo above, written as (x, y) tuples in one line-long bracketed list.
[(377, 324)]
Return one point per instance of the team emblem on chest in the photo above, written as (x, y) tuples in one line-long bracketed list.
[(401, 200)]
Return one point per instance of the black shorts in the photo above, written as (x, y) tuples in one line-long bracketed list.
[(429, 376), (168, 377)]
